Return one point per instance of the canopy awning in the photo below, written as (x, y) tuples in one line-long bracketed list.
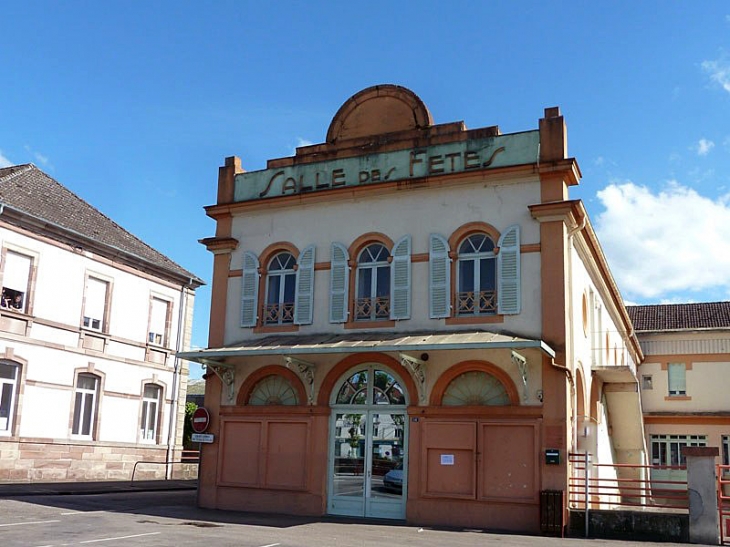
[(313, 344)]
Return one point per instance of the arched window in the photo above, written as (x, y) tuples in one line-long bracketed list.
[(150, 412), (384, 389), (373, 284), (8, 396), (477, 276), (475, 388), (273, 390), (280, 290)]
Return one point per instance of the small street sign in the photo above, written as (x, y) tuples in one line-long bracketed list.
[(202, 437)]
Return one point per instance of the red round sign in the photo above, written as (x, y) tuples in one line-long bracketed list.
[(201, 420)]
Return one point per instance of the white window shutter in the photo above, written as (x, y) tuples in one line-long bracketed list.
[(250, 290), (16, 271), (508, 272), (400, 279), (95, 305), (339, 283), (439, 277), (304, 299)]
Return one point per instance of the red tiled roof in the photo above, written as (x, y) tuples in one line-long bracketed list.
[(659, 317), (27, 189)]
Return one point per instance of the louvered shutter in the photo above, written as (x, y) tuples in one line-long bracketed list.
[(305, 288), (508, 272), (339, 283), (439, 277), (250, 290), (677, 378), (400, 279)]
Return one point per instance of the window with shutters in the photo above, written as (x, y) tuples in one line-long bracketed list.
[(159, 320), (480, 268), (85, 405), (373, 284), (476, 291), (726, 450), (96, 301), (279, 295), (677, 379), (16, 281), (150, 412), (280, 290), (9, 373)]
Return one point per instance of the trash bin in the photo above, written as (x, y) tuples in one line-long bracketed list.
[(551, 512)]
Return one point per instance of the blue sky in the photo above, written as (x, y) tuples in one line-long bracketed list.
[(135, 105)]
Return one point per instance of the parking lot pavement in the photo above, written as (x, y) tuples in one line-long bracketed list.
[(171, 518)]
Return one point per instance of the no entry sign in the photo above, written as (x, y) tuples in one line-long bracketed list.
[(201, 420)]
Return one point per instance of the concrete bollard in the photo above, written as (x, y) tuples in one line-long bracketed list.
[(704, 519)]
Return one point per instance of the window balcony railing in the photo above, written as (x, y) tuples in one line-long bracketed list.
[(372, 308), (471, 302), (278, 313)]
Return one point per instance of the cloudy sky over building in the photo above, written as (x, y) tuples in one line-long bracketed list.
[(134, 105)]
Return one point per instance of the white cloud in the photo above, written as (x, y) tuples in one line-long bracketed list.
[(300, 142), (719, 72), (704, 146), (674, 240), (40, 158), (5, 162)]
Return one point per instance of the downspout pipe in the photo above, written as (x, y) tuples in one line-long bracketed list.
[(171, 428)]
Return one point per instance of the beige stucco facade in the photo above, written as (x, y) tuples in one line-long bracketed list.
[(546, 330), (699, 414)]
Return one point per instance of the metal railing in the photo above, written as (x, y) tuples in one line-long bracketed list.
[(723, 502), (621, 486), (186, 457)]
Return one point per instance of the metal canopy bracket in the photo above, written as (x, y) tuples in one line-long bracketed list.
[(417, 368), (306, 371), (227, 375), (520, 362)]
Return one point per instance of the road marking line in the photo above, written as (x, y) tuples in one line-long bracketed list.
[(29, 522), (82, 513), (271, 545), (120, 537)]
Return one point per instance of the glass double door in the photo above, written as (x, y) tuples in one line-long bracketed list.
[(367, 463)]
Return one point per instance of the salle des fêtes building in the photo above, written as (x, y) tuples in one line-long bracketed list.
[(412, 321)]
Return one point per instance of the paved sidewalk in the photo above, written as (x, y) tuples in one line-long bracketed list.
[(12, 490)]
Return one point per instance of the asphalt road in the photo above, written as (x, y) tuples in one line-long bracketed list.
[(163, 519)]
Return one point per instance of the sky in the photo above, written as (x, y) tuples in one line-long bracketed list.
[(134, 105)]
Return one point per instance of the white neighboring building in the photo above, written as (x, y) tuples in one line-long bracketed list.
[(90, 320)]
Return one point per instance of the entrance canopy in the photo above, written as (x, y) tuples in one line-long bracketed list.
[(364, 342), (295, 350)]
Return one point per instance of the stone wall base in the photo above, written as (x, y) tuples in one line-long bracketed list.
[(631, 525), (49, 460)]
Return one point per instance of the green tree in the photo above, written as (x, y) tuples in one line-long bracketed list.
[(188, 424)]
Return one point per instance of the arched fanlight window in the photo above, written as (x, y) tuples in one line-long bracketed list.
[(273, 390), (477, 276), (364, 388), (475, 388), (373, 283), (280, 290)]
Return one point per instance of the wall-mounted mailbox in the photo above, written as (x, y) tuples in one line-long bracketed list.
[(552, 456)]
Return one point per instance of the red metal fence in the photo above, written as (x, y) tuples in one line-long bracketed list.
[(623, 486), (723, 502)]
